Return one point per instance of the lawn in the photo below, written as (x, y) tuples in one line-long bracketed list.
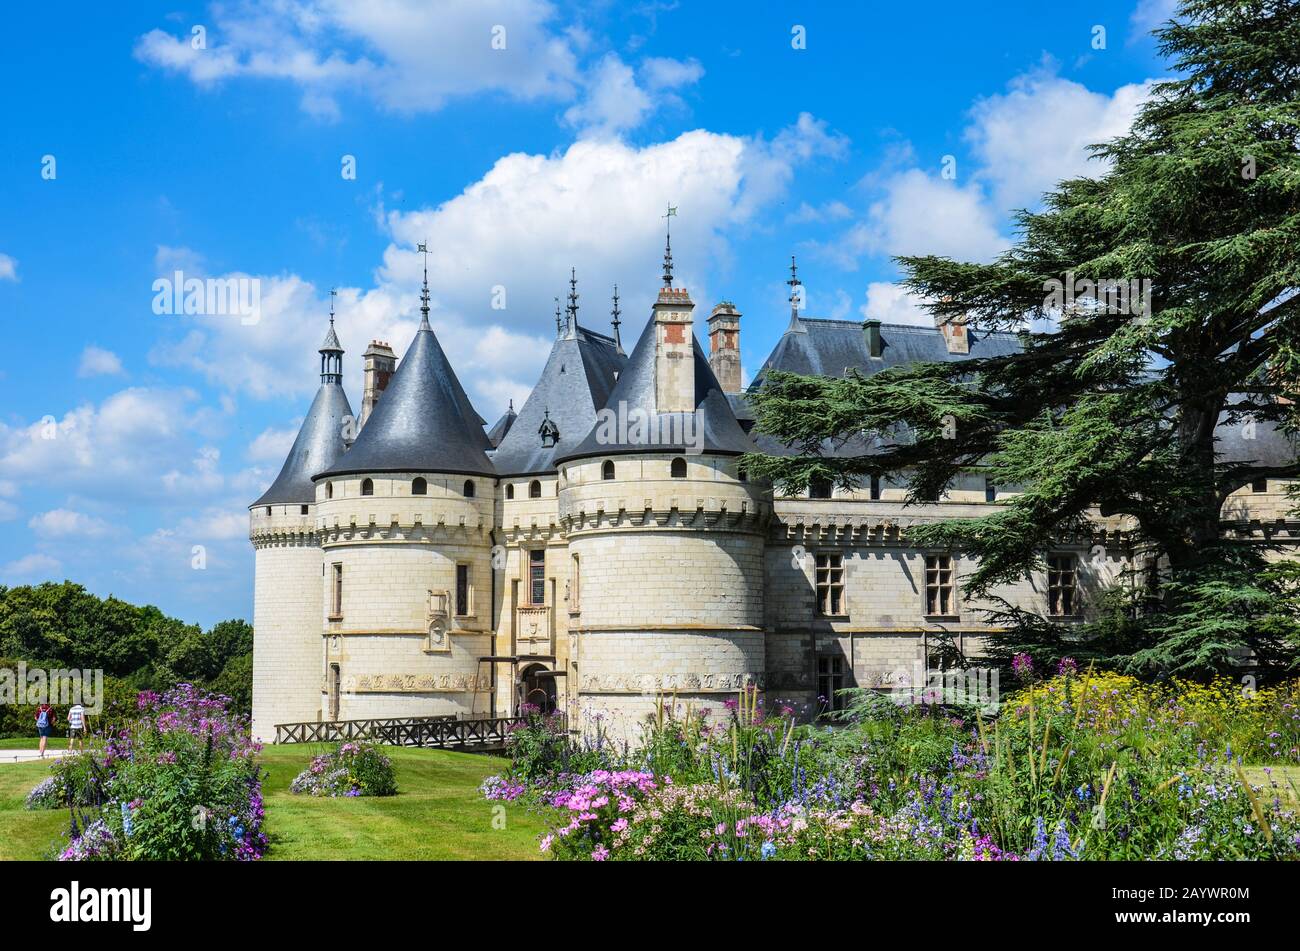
[(437, 813)]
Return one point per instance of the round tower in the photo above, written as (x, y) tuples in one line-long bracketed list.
[(665, 537), (287, 655), (404, 519)]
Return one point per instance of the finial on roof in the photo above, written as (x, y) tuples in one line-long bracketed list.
[(795, 284), (424, 294), (668, 246), (559, 321), (618, 343), (331, 351), (511, 407), (573, 303), (333, 294)]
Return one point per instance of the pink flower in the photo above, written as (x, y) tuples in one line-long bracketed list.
[(600, 854)]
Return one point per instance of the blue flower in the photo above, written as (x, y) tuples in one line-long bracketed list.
[(768, 850)]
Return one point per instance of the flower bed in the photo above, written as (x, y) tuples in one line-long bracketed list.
[(354, 769), (1078, 767), (182, 782)]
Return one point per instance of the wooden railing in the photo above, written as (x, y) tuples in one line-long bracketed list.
[(433, 732)]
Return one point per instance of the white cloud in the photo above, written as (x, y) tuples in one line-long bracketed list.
[(894, 304), (272, 445), (405, 55), (1037, 133), (65, 522), (8, 268), (120, 448), (34, 567), (615, 102), (1150, 14), (96, 361), (919, 213)]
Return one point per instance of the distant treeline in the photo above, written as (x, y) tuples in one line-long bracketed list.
[(63, 626)]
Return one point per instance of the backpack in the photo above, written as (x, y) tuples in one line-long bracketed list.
[(43, 719)]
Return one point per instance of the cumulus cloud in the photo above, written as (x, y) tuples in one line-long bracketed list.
[(614, 101), (894, 304), (118, 448), (404, 55), (96, 361), (65, 522), (33, 567), (8, 268), (1037, 133)]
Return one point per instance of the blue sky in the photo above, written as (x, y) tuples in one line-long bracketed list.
[(135, 146)]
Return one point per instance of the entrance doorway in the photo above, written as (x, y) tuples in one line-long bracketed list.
[(535, 688)]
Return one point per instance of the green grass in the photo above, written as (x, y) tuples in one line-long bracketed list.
[(32, 743), (437, 813)]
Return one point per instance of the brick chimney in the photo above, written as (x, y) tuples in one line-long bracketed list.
[(674, 351), (724, 346), (380, 365), (955, 334)]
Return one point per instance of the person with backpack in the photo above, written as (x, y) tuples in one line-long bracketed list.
[(77, 726), (44, 724)]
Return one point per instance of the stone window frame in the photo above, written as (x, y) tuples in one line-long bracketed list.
[(954, 592), (835, 563), (336, 591), (836, 672), (575, 583), (1063, 584), (530, 581), (469, 591)]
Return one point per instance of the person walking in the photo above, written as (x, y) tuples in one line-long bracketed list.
[(77, 726), (44, 724)]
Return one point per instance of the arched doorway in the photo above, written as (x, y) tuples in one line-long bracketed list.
[(535, 686)]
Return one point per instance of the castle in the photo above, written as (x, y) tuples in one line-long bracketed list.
[(603, 547)]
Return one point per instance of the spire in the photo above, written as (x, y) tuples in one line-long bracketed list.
[(331, 351), (573, 304), (424, 294), (795, 284), (668, 246), (618, 343), (559, 321)]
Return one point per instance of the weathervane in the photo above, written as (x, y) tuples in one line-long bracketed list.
[(618, 344), (423, 248), (333, 294), (795, 284), (668, 245)]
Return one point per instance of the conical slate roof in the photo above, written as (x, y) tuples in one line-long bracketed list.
[(578, 378), (635, 390), (502, 426), (423, 423), (318, 446)]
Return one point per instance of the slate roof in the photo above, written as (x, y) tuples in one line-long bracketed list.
[(502, 426), (318, 446), (635, 390), (423, 423), (576, 381)]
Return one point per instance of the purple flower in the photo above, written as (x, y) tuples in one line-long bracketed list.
[(1022, 665)]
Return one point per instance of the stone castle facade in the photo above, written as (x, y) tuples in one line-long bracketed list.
[(602, 547)]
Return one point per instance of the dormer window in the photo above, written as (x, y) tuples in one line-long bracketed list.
[(420, 486), (549, 432), (367, 486)]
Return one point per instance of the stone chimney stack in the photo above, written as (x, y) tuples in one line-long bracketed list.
[(955, 334), (871, 331), (724, 346), (674, 351), (380, 365)]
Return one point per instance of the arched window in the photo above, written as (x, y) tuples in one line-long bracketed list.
[(679, 468), (534, 489), (607, 470), (420, 486), (367, 487), (819, 489), (329, 490), (510, 490), (469, 488)]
